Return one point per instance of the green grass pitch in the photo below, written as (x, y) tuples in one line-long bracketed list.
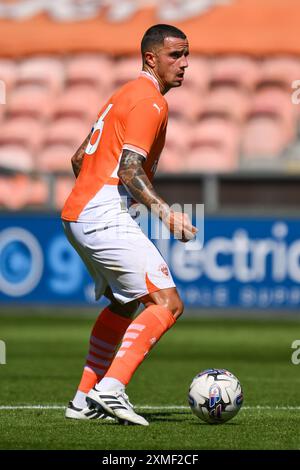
[(45, 356)]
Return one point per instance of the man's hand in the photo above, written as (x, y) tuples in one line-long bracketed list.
[(180, 225)]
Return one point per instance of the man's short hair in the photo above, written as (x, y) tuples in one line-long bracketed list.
[(157, 34)]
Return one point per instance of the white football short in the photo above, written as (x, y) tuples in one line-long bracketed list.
[(120, 257)]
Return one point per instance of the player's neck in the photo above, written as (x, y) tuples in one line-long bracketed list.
[(161, 85)]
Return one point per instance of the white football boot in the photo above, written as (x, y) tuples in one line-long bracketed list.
[(116, 404), (73, 412)]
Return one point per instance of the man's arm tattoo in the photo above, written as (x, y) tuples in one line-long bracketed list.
[(137, 183), (78, 156)]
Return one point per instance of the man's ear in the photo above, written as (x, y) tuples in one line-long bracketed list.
[(150, 59)]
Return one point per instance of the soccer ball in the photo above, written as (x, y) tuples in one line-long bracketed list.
[(215, 396)]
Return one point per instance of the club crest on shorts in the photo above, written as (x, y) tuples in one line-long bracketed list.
[(164, 269)]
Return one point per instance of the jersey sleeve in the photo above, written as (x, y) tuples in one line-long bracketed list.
[(143, 124)]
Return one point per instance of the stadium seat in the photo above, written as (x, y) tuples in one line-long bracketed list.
[(126, 69), (14, 191), (281, 68), (210, 159), (229, 99), (277, 100), (16, 157), (55, 158), (30, 100), (214, 145), (63, 187), (81, 101), (2, 112), (39, 192), (67, 131), (235, 68), (263, 136), (174, 153), (42, 70), (90, 69), (198, 74), (24, 131), (184, 103), (8, 73)]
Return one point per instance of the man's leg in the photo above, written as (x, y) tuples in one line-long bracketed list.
[(106, 335), (162, 310)]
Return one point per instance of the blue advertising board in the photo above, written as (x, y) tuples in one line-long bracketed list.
[(245, 263)]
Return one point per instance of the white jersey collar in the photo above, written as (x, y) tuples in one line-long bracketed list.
[(150, 77)]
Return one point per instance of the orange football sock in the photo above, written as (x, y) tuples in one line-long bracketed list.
[(106, 335), (140, 337)]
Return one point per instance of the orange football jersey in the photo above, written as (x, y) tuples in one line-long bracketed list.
[(135, 117)]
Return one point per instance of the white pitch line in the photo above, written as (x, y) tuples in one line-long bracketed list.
[(149, 407)]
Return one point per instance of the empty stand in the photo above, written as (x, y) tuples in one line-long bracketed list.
[(56, 158), (263, 136), (276, 99), (227, 98), (16, 157), (42, 70), (81, 101), (126, 69), (284, 69), (67, 131), (25, 131), (231, 112), (63, 187), (174, 153), (240, 69), (90, 69), (184, 102), (8, 73), (213, 145), (198, 74), (31, 100)]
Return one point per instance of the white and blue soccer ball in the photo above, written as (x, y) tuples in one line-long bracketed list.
[(215, 396)]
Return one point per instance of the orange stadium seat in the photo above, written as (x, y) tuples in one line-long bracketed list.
[(26, 191), (126, 69), (174, 153), (210, 159), (90, 69), (236, 68), (24, 131), (14, 157), (30, 100), (2, 112), (14, 191), (63, 187), (214, 145), (81, 101), (8, 72), (198, 73), (42, 70), (55, 158), (67, 131), (184, 102), (229, 99), (281, 68), (263, 136), (275, 99), (39, 192)]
